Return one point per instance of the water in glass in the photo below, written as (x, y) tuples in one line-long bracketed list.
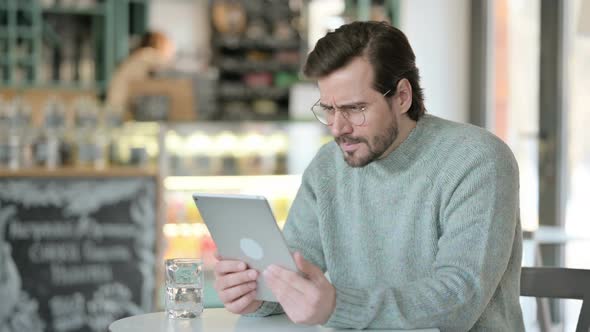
[(184, 288)]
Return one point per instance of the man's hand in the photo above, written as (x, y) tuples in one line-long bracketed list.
[(308, 299), (236, 286)]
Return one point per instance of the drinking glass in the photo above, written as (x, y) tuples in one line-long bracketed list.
[(184, 287)]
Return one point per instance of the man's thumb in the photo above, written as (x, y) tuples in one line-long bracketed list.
[(310, 270)]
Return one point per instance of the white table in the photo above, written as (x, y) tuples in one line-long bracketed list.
[(216, 320)]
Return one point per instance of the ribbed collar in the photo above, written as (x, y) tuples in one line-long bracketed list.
[(408, 150)]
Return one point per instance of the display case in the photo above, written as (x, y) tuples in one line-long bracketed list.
[(261, 158)]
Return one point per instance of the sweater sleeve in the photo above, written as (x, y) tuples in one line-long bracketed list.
[(478, 217), (302, 231)]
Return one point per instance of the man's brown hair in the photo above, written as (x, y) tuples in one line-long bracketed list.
[(386, 48)]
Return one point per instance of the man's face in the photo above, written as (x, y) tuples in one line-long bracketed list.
[(373, 139)]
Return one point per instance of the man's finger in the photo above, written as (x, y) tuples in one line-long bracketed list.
[(289, 279), (282, 289), (237, 278), (291, 299), (228, 266), (241, 303), (234, 293)]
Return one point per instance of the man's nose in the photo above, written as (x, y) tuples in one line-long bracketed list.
[(341, 125)]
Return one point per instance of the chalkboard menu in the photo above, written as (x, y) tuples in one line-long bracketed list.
[(84, 250)]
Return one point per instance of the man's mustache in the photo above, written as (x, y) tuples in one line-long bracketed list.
[(350, 140)]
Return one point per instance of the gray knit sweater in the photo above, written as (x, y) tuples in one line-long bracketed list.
[(428, 236)]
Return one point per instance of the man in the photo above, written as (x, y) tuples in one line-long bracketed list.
[(414, 217)]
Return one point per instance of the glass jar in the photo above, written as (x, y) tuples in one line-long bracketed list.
[(14, 134), (112, 121), (91, 140), (50, 148)]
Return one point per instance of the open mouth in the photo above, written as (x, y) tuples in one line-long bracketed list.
[(349, 145)]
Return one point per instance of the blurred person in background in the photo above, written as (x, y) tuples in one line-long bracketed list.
[(154, 52), (415, 218)]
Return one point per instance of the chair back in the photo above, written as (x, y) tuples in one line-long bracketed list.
[(561, 283)]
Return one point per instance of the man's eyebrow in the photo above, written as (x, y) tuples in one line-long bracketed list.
[(351, 104)]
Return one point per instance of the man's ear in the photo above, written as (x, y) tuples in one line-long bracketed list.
[(404, 94)]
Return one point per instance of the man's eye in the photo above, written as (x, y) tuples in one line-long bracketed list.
[(329, 110), (354, 109)]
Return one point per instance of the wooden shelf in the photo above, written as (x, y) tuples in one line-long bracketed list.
[(80, 172), (71, 10), (267, 43), (72, 86), (241, 91), (246, 66)]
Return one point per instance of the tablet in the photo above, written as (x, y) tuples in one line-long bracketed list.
[(244, 228)]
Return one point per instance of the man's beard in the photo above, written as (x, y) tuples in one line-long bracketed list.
[(380, 144)]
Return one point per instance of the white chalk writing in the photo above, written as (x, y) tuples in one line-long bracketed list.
[(59, 230), (109, 253), (62, 275), (76, 197), (68, 312), (19, 230), (62, 252)]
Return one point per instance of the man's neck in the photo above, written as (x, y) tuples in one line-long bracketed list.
[(405, 127)]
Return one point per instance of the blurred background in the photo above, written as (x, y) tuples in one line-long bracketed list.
[(208, 96)]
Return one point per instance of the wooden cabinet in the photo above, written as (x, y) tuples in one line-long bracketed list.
[(66, 44)]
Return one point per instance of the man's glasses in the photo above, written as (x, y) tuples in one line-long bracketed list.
[(354, 114)]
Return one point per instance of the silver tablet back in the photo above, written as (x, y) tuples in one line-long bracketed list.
[(244, 228)]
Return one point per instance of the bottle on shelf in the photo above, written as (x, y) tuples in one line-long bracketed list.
[(5, 136), (67, 63), (47, 60), (112, 121), (91, 137), (174, 144), (51, 149), (202, 161), (15, 134), (86, 63), (227, 145), (250, 158)]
